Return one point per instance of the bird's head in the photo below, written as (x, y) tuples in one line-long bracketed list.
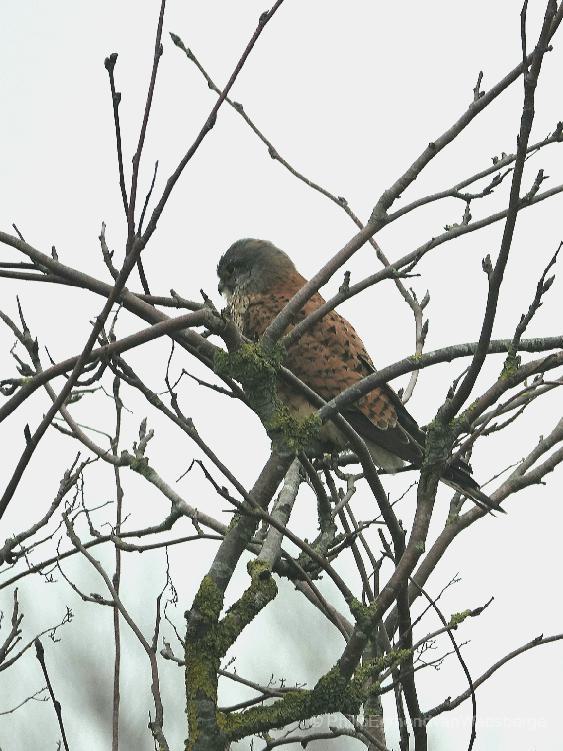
[(256, 265)]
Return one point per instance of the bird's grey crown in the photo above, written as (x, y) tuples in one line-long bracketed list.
[(255, 262), (249, 252)]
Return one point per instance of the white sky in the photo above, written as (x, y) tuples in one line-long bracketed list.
[(349, 93)]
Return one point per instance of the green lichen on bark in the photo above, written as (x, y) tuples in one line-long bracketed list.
[(208, 639), (464, 421), (262, 590), (361, 613), (140, 464), (209, 599), (297, 434), (334, 688), (438, 443), (202, 654), (511, 365), (332, 693), (458, 618), (257, 368), (373, 668)]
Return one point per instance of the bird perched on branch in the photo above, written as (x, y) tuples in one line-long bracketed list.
[(258, 279)]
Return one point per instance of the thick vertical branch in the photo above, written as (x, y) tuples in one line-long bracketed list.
[(203, 649)]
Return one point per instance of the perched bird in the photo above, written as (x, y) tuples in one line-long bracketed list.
[(257, 279)]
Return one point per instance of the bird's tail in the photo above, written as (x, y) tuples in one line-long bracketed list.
[(459, 478)]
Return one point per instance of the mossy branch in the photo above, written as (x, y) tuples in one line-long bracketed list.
[(297, 434), (252, 365), (332, 693), (209, 638), (257, 368), (458, 618), (203, 657), (261, 591)]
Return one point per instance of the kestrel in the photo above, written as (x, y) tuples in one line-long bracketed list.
[(257, 280)]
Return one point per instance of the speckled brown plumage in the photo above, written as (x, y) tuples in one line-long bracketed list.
[(258, 280), (329, 357)]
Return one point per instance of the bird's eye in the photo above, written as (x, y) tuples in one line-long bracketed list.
[(229, 268)]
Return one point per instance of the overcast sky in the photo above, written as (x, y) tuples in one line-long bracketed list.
[(350, 93)]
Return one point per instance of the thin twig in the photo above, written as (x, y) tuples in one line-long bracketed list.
[(40, 653)]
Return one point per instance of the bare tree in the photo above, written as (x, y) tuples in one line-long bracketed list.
[(387, 639)]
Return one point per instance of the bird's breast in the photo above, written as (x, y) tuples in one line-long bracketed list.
[(238, 306)]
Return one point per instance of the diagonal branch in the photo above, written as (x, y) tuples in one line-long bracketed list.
[(449, 703), (40, 652), (208, 125), (378, 217)]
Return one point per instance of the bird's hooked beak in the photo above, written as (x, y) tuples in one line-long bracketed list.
[(225, 289)]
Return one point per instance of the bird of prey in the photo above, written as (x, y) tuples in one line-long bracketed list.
[(257, 279)]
